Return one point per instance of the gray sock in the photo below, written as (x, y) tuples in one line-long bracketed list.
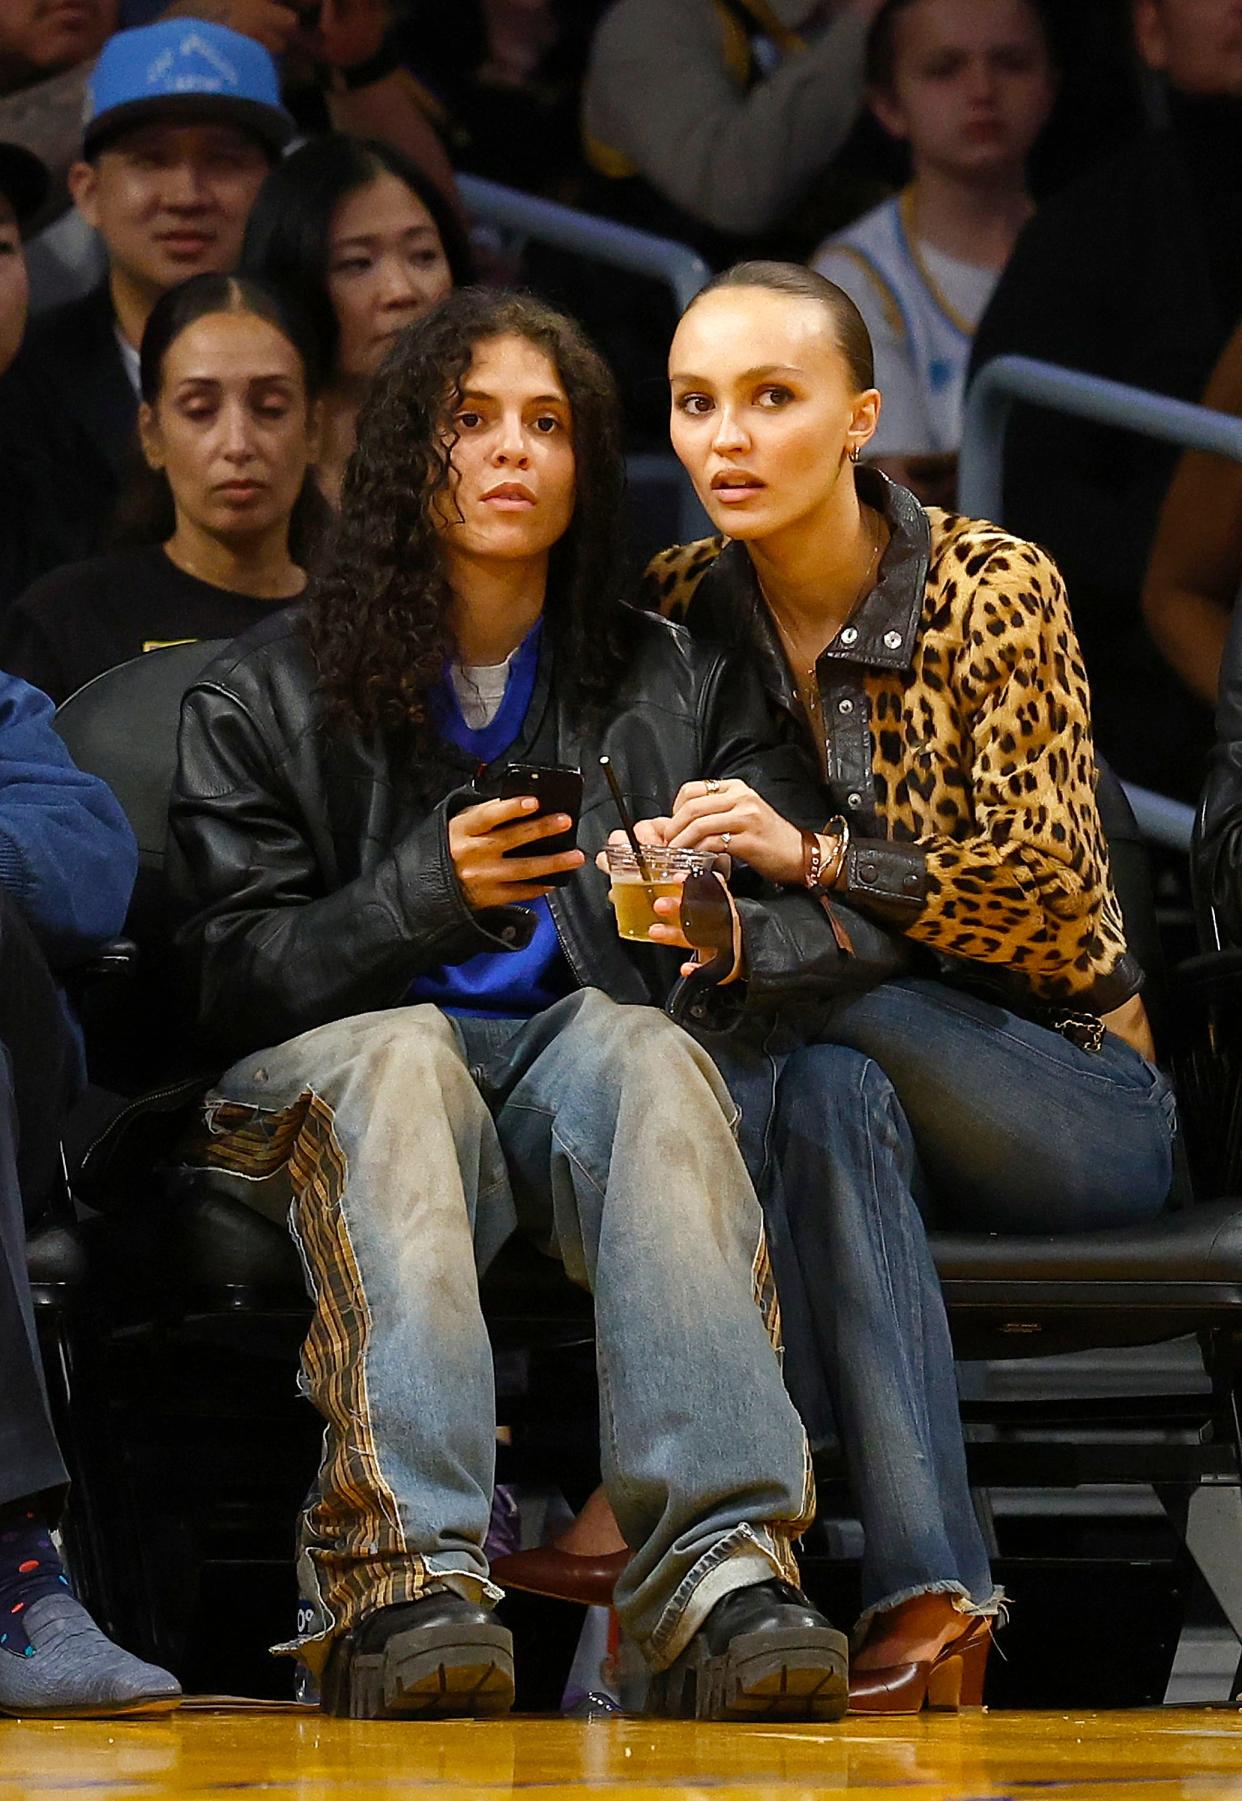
[(76, 1672)]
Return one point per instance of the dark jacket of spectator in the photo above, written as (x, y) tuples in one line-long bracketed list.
[(1133, 273), (69, 413)]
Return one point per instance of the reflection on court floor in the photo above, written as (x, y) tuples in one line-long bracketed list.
[(1169, 1755)]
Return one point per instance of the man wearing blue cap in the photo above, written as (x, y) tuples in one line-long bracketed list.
[(184, 122)]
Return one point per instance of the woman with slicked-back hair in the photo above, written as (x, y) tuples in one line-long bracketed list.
[(1006, 1083), (222, 522)]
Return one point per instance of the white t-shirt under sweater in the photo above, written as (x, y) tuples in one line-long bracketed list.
[(480, 688), (921, 308)]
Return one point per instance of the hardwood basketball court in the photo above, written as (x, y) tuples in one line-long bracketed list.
[(1171, 1754)]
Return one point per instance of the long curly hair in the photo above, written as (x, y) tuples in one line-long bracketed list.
[(378, 609)]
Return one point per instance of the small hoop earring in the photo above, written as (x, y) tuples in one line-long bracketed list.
[(855, 453)]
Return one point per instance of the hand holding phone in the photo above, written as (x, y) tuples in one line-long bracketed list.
[(557, 791), (519, 846)]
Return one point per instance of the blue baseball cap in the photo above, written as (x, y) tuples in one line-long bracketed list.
[(184, 69)]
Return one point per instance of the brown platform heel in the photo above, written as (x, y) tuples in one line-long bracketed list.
[(951, 1681), (562, 1575)]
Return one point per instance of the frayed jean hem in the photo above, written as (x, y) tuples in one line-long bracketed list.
[(994, 1608)]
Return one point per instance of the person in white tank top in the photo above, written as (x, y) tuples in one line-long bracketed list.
[(968, 85)]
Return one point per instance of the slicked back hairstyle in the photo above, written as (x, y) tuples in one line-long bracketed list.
[(290, 225), (378, 613), (146, 512), (202, 295), (849, 326)]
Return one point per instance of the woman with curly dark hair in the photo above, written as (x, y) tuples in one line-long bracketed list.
[(436, 1034), (382, 617)]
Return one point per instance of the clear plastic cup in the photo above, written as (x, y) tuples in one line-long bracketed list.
[(634, 895)]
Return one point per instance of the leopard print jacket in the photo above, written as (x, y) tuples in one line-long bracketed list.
[(958, 743)]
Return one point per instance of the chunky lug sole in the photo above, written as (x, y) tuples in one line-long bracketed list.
[(800, 1674), (949, 1684), (429, 1672)]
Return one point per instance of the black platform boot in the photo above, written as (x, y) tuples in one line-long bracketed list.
[(762, 1653), (438, 1658)]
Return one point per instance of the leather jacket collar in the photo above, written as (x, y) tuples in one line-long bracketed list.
[(882, 630)]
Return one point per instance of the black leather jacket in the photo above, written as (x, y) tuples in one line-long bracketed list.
[(315, 872)]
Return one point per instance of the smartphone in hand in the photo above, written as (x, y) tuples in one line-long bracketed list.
[(557, 791)]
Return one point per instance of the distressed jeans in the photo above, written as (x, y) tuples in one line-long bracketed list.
[(413, 1146), (931, 1107)]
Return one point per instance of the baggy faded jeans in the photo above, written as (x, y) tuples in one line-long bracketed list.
[(413, 1145)]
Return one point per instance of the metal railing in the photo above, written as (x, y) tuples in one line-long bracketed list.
[(980, 489), (526, 217), (681, 269)]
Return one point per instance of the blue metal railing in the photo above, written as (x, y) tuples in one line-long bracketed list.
[(980, 490), (682, 271)]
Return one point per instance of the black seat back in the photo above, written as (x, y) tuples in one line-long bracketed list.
[(123, 727)]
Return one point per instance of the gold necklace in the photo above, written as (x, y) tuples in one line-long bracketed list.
[(807, 681)]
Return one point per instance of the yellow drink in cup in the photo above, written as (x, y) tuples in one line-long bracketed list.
[(633, 897)]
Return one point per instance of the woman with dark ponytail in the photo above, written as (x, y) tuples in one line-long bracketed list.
[(219, 526)]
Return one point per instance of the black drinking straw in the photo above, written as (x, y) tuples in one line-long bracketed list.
[(627, 823)]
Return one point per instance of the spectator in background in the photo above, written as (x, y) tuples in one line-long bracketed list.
[(709, 119), (340, 63), (38, 39), (506, 76), (1133, 272), (46, 53), (67, 864), (23, 184), (1195, 573), (967, 84), (38, 495), (228, 516), (185, 121), (364, 239)]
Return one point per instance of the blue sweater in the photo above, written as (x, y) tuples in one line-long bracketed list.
[(67, 855), (499, 984)]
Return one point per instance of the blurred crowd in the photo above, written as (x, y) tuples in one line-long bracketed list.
[(982, 176)]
